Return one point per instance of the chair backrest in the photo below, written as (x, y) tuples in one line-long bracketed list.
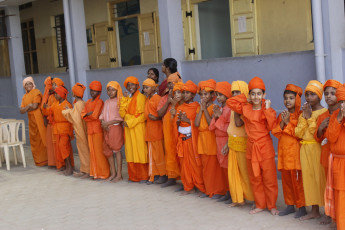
[(10, 132)]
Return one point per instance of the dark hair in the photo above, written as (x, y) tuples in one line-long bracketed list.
[(170, 63), (290, 92), (156, 72)]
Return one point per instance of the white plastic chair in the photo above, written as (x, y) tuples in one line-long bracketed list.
[(3, 138), (9, 137)]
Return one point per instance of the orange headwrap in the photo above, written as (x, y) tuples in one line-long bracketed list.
[(332, 83), (224, 88), (208, 86), (340, 94), (256, 83), (174, 77), (131, 79), (48, 86), (116, 85), (58, 82), (29, 79), (48, 83), (190, 87), (149, 82), (178, 86), (96, 86), (299, 92), (78, 90), (61, 91), (315, 87)]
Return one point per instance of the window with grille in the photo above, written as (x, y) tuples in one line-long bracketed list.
[(29, 47), (61, 40), (3, 30)]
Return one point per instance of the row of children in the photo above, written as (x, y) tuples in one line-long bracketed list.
[(220, 150)]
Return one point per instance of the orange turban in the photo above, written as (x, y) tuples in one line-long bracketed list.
[(29, 79), (131, 79), (299, 92), (190, 87), (58, 81), (178, 86), (340, 94), (96, 86), (315, 87), (241, 86), (209, 85), (48, 83), (78, 90), (256, 83), (61, 91), (224, 88), (149, 82), (174, 77), (332, 83), (116, 85)]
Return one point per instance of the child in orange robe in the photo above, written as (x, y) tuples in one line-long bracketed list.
[(335, 189), (154, 134), (219, 125), (99, 166), (214, 178), (259, 118), (288, 152), (63, 131), (187, 143)]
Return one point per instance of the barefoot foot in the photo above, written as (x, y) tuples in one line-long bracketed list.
[(301, 212), (117, 179), (184, 193), (288, 210), (326, 220), (274, 211), (170, 182), (255, 211), (309, 217)]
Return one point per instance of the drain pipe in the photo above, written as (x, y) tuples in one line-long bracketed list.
[(318, 41), (67, 17)]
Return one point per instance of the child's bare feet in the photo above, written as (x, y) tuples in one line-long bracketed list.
[(85, 176), (274, 211), (310, 216), (255, 210), (51, 167), (184, 193), (68, 172), (61, 169), (111, 177), (78, 174), (325, 220), (236, 204), (117, 179)]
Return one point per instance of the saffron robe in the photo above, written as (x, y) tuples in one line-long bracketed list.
[(154, 137), (135, 145), (336, 136), (239, 183), (314, 179), (37, 130), (49, 134), (289, 161), (79, 126), (260, 152), (213, 175), (191, 166), (99, 166)]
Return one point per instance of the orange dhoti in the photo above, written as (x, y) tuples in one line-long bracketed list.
[(137, 171), (63, 150), (293, 187), (50, 146), (265, 186), (99, 166), (156, 159), (213, 175), (113, 140), (191, 168)]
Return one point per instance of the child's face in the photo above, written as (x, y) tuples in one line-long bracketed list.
[(132, 88), (152, 75), (54, 85), (178, 95), (112, 93), (94, 93), (289, 100), (170, 85), (221, 98), (206, 96), (148, 90), (57, 97), (312, 98), (29, 86), (256, 96), (188, 96), (330, 97), (235, 93)]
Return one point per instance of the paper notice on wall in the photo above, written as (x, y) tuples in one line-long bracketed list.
[(146, 38), (242, 24), (103, 47)]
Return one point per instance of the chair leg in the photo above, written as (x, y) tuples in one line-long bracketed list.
[(7, 157), (15, 155), (23, 155), (1, 156)]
